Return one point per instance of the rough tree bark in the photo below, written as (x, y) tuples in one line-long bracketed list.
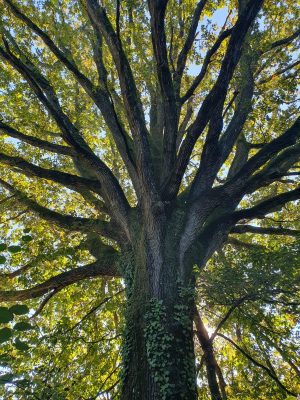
[(159, 351)]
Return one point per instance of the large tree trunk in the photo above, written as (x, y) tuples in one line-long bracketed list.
[(159, 360)]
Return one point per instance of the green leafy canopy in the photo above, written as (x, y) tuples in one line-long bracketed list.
[(139, 135)]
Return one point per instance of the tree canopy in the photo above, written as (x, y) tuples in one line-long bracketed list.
[(158, 142)]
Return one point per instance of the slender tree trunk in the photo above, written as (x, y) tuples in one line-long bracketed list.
[(159, 359)]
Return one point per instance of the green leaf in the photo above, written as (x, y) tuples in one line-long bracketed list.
[(27, 238), (14, 249), (27, 230), (5, 315), (5, 359), (19, 309), (3, 246), (22, 326), (5, 334), (19, 345), (6, 378), (4, 356), (2, 260), (23, 382)]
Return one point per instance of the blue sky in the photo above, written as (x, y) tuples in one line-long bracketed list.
[(218, 18)]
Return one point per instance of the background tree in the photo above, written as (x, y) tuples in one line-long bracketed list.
[(156, 142)]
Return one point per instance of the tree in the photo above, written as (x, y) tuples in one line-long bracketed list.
[(113, 136)]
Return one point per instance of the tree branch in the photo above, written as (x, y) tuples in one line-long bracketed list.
[(62, 280), (18, 272), (265, 207), (99, 94), (73, 182), (209, 357), (235, 305), (213, 103), (239, 243), (278, 72), (222, 219), (258, 364), (111, 190), (182, 58), (216, 152), (276, 169), (282, 353), (207, 59), (288, 138), (133, 105), (83, 186), (65, 221), (36, 142), (93, 309), (243, 104), (45, 301), (284, 41), (183, 126), (240, 229), (40, 257), (157, 12)]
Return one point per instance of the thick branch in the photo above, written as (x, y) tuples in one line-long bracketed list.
[(286, 40), (76, 183), (65, 221), (222, 220), (157, 12), (243, 102), (183, 126), (36, 142), (18, 272), (241, 155), (239, 243), (73, 182), (58, 282), (287, 139), (216, 151), (101, 22), (276, 169), (265, 207), (240, 229)]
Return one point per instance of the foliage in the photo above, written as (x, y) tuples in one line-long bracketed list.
[(91, 175)]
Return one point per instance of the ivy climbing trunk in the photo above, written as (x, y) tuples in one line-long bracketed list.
[(159, 359)]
